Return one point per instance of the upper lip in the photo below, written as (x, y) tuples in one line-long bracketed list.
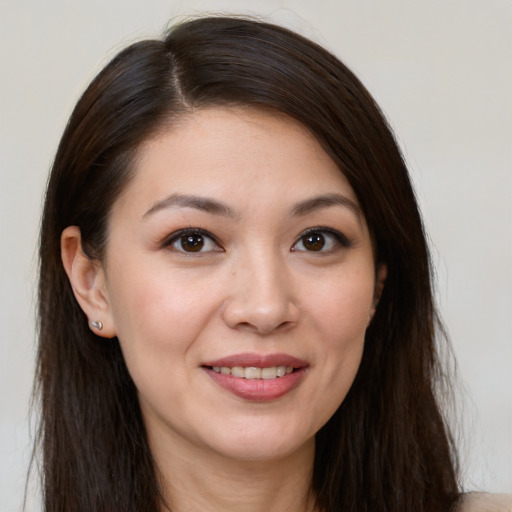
[(258, 361)]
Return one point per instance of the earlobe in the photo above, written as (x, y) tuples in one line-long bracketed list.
[(87, 278), (380, 280)]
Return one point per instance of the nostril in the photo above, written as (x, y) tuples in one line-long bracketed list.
[(263, 328), (262, 311), (284, 325)]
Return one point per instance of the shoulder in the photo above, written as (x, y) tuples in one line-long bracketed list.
[(485, 502)]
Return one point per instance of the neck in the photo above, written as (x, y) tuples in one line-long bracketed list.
[(211, 483)]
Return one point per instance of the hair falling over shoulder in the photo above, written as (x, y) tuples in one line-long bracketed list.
[(387, 448)]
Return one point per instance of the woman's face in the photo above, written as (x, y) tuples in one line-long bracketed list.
[(240, 279)]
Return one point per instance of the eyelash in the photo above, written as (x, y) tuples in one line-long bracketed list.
[(339, 238), (207, 238), (179, 236)]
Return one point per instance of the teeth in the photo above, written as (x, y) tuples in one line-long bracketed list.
[(281, 371), (251, 372), (238, 371), (269, 373)]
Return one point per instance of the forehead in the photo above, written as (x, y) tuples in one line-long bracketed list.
[(229, 152)]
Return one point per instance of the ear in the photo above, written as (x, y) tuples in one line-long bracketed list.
[(380, 280), (87, 278)]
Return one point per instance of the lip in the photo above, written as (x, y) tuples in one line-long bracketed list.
[(258, 360), (259, 390)]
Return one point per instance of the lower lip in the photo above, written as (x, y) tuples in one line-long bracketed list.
[(258, 389)]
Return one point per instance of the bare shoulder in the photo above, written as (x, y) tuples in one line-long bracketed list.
[(485, 502)]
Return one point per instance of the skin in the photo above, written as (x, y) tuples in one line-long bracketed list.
[(256, 287)]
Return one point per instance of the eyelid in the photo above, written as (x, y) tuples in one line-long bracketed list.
[(341, 238), (176, 235)]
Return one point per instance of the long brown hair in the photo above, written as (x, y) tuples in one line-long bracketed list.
[(387, 447)]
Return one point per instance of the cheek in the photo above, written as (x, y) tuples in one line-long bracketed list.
[(157, 319), (340, 315), (341, 306), (152, 300), (157, 326)]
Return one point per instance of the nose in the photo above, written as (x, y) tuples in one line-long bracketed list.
[(261, 297)]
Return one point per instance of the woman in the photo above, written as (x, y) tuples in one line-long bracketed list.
[(235, 300)]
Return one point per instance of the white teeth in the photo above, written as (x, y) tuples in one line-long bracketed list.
[(269, 373), (238, 371), (251, 372)]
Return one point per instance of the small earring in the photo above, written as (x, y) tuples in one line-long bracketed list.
[(96, 324)]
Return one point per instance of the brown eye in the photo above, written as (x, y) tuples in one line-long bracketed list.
[(192, 243), (313, 242), (322, 240)]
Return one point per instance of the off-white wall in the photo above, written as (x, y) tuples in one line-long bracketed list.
[(442, 71)]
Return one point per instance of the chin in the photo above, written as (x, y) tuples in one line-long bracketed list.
[(250, 444)]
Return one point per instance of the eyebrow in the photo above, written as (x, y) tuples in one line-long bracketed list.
[(325, 201), (215, 207), (189, 201)]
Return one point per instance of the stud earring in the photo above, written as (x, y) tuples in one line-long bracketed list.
[(96, 324)]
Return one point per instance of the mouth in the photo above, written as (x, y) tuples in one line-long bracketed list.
[(252, 372), (257, 377)]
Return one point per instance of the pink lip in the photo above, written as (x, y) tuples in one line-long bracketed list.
[(258, 389), (258, 361)]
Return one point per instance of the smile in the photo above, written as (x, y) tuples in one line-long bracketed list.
[(252, 372), (257, 377)]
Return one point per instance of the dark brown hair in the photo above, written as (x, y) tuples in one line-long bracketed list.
[(387, 446)]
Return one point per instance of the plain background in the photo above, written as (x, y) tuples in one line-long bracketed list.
[(441, 71)]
